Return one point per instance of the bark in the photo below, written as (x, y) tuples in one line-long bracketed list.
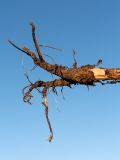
[(88, 75)]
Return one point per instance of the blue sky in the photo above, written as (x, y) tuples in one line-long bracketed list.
[(88, 124)]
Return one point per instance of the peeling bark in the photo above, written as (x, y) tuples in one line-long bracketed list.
[(88, 75)]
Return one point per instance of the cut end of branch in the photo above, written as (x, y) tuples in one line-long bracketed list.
[(99, 73)]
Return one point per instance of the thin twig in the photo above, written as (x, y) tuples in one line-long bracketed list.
[(14, 45), (24, 49), (46, 46), (33, 68), (62, 93), (75, 62), (49, 57), (26, 75)]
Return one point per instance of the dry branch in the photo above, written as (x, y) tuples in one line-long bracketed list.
[(88, 75)]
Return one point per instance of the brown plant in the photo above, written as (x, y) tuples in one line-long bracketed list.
[(88, 75)]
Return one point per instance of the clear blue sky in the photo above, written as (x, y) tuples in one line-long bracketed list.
[(88, 124)]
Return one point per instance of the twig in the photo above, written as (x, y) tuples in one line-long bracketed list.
[(25, 50), (14, 45), (46, 46), (33, 68), (45, 103), (26, 75), (62, 93), (75, 62), (49, 57), (35, 42)]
